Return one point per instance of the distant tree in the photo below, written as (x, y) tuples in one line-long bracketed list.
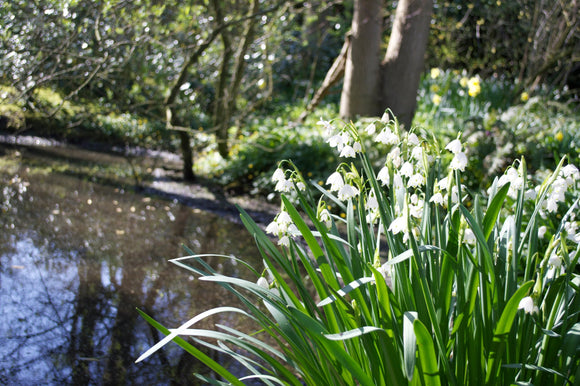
[(155, 59), (231, 75), (371, 83), (533, 42)]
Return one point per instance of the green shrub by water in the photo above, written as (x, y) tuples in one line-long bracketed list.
[(422, 282)]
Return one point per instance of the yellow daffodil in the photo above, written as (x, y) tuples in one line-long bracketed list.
[(474, 91), (559, 136), (524, 97), (474, 87), (436, 99), (435, 73)]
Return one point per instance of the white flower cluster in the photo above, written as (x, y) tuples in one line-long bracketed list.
[(571, 227), (443, 188), (404, 172), (566, 178), (344, 142), (345, 191), (555, 266), (286, 185), (516, 181), (283, 227)]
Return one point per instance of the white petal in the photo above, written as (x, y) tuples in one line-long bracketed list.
[(527, 304), (383, 175), (335, 141), (335, 181), (459, 162), (387, 137), (454, 146), (346, 192), (278, 175), (416, 180), (407, 169), (437, 198), (413, 139), (273, 228), (348, 152), (263, 282), (283, 218)]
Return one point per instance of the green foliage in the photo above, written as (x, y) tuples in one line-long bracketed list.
[(498, 125), (52, 117), (545, 130), (11, 117), (129, 129), (521, 39), (262, 144), (422, 282)]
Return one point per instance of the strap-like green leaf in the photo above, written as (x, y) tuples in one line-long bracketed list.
[(426, 348), (354, 333), (409, 343), (493, 210), (501, 332), (346, 289), (193, 351), (316, 331)]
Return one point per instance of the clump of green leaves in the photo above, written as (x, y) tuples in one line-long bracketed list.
[(129, 129), (422, 282), (499, 126), (259, 146)]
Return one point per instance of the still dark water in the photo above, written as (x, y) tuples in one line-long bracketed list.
[(76, 259)]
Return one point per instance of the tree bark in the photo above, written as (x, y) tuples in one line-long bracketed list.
[(228, 103), (371, 86), (404, 59), (362, 69)]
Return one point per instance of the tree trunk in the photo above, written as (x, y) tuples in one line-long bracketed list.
[(404, 59), (229, 94), (370, 87), (187, 154), (362, 69)]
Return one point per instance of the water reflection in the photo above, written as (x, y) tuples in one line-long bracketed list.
[(77, 258)]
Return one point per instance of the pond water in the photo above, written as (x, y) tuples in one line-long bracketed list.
[(79, 252)]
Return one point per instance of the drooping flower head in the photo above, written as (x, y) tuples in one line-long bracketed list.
[(347, 192), (335, 181), (459, 161)]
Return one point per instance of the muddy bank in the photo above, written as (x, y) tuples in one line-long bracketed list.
[(148, 172)]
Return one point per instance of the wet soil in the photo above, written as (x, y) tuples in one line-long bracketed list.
[(150, 172)]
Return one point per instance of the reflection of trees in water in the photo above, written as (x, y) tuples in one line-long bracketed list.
[(122, 332), (96, 277), (89, 307)]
